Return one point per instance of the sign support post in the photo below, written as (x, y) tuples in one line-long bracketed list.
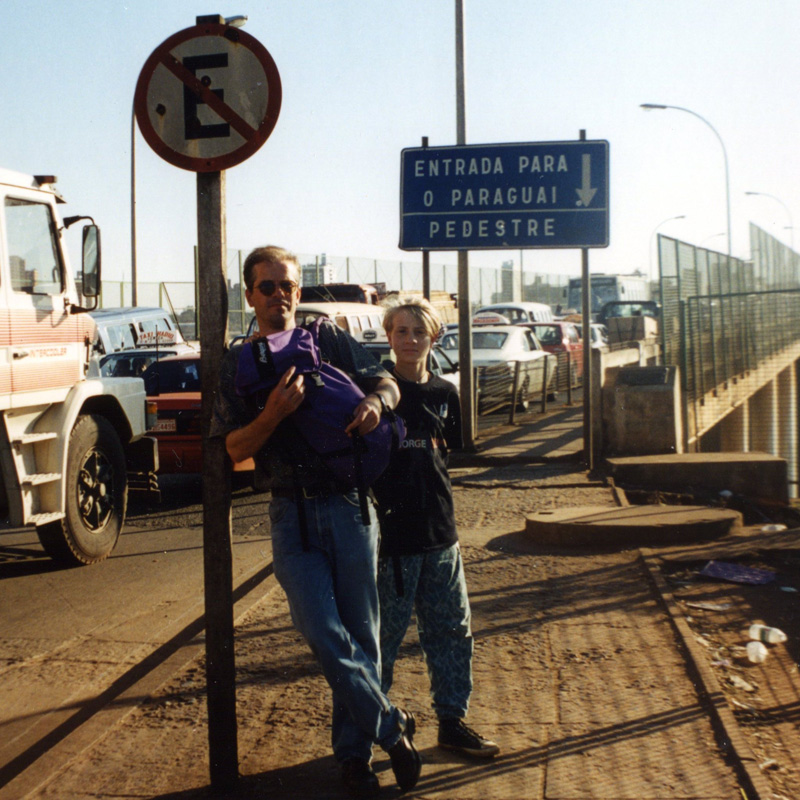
[(207, 98), (586, 335), (217, 533), (464, 304)]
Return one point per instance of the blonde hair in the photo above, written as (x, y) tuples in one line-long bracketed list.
[(419, 308)]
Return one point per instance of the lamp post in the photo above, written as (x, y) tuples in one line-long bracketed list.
[(652, 236), (790, 227), (134, 295), (709, 238), (658, 107)]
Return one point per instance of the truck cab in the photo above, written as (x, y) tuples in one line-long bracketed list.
[(67, 442)]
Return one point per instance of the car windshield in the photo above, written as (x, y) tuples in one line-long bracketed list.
[(128, 365), (481, 340), (548, 334), (181, 375), (511, 314)]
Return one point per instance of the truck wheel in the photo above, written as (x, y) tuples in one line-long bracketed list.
[(96, 496)]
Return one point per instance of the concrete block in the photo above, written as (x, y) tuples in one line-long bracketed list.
[(758, 476), (632, 526)]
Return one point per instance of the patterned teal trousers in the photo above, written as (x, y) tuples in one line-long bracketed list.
[(434, 586)]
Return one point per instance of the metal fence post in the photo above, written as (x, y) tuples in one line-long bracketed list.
[(514, 390)]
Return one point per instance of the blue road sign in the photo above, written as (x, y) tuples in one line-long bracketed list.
[(496, 196)]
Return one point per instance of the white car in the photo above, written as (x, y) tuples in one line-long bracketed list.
[(599, 334), (440, 362), (496, 345)]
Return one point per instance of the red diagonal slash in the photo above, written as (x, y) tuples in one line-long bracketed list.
[(187, 77)]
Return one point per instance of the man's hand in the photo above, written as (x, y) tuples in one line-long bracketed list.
[(282, 401), (366, 416), (286, 397)]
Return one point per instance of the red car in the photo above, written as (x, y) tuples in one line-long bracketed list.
[(174, 384), (561, 337)]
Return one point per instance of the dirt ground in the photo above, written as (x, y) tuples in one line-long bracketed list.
[(578, 675), (764, 697)]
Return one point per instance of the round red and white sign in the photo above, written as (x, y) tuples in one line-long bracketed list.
[(208, 97)]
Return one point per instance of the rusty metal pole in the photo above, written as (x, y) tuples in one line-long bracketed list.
[(464, 304), (586, 321), (217, 545), (426, 258)]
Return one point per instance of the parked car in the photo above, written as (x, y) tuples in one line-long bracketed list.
[(561, 337), (362, 321), (599, 335), (133, 363), (174, 383), (134, 326), (521, 312), (439, 362), (503, 345), (629, 308)]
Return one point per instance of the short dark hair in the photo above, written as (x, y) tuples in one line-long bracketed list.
[(269, 254)]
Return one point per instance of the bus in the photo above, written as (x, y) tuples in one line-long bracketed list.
[(607, 288)]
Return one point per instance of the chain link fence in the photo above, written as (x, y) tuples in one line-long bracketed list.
[(487, 285), (733, 328)]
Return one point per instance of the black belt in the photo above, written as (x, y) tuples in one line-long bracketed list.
[(308, 492)]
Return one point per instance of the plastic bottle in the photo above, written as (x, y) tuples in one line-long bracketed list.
[(756, 652), (763, 633)]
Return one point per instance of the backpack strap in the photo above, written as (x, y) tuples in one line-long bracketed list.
[(398, 576), (359, 448)]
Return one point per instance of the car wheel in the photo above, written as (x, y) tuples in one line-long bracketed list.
[(96, 496)]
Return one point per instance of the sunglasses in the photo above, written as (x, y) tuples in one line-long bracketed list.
[(267, 288)]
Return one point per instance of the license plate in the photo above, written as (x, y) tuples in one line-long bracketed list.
[(165, 426)]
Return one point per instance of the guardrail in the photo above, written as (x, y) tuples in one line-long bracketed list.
[(522, 387)]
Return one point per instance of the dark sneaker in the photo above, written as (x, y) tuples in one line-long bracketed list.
[(406, 761), (359, 779), (455, 735)]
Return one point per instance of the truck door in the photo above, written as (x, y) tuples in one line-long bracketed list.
[(47, 348)]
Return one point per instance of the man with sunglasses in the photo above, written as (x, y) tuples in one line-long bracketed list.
[(331, 581)]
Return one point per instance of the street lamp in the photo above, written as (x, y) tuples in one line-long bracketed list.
[(657, 107), (709, 238), (790, 226), (134, 295), (652, 236)]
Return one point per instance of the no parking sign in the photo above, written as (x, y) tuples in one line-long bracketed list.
[(208, 97)]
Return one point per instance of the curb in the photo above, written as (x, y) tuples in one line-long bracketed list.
[(730, 736)]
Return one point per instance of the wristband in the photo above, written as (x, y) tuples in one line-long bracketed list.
[(382, 400)]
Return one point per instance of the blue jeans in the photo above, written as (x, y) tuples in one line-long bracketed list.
[(434, 584), (333, 599)]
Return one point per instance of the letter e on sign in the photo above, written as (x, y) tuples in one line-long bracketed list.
[(208, 97)]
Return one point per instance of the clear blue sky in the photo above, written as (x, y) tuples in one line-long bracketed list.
[(362, 80)]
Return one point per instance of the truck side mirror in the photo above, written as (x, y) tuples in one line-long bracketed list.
[(91, 261)]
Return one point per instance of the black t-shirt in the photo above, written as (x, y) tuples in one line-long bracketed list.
[(415, 498), (287, 461)]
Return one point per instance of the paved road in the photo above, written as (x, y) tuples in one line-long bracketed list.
[(72, 639)]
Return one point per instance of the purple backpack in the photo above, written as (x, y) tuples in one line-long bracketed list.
[(331, 397)]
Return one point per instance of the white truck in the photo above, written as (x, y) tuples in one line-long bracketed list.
[(70, 440)]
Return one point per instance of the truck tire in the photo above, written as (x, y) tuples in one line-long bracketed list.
[(96, 496)]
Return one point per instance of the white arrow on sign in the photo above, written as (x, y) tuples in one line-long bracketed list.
[(586, 193)]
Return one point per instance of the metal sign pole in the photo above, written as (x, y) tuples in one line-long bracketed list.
[(586, 320), (203, 66), (464, 304), (217, 546), (426, 258)]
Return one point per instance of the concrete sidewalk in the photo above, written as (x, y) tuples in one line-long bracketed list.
[(579, 674)]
